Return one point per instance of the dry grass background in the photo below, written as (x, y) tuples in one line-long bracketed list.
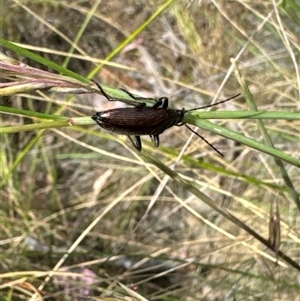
[(132, 232)]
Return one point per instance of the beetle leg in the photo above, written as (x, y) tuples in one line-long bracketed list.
[(136, 142), (165, 102), (155, 140), (108, 97), (131, 95), (159, 101), (141, 105), (136, 97)]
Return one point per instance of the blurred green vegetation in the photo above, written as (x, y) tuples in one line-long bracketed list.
[(83, 215)]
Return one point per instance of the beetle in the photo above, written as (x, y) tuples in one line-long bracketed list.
[(142, 120)]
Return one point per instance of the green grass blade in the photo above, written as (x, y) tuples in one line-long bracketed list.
[(42, 60)]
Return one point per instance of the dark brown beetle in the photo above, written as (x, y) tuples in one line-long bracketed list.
[(141, 120)]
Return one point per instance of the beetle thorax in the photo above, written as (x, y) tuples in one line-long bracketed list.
[(178, 116)]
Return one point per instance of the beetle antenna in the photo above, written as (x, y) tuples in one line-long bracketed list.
[(204, 140), (214, 104)]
